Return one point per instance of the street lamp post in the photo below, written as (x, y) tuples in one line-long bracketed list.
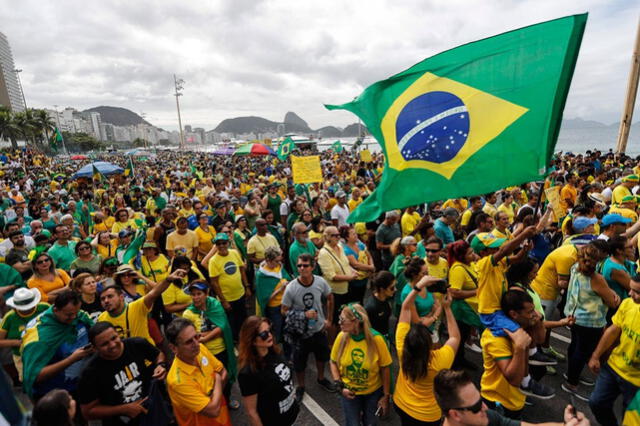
[(178, 82), (24, 101)]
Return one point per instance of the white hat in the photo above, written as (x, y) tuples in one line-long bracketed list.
[(24, 299)]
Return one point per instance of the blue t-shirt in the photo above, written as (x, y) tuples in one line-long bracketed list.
[(608, 266), (423, 304), (443, 231)]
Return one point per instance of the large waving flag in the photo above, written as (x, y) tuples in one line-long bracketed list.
[(337, 147), (97, 176), (285, 148), (55, 140), (129, 171), (479, 117)]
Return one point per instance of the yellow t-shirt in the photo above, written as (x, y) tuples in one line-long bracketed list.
[(568, 193), (459, 204), (557, 264), (205, 238), (493, 384), (156, 270), (175, 294), (498, 234), (492, 283), (353, 204), (460, 278), (44, 287), (408, 223), (359, 366), (508, 210), (215, 345), (466, 217), (107, 251), (132, 322), (258, 245), (100, 227), (190, 388), (625, 212), (332, 263), (189, 241), (625, 358), (490, 209), (417, 398), (227, 269), (119, 226), (619, 192)]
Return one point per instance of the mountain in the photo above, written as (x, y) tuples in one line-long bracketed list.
[(353, 130), (293, 123), (329, 132), (117, 116), (579, 123), (246, 125)]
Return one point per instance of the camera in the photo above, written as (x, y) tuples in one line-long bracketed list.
[(439, 286)]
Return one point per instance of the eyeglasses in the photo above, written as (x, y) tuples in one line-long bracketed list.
[(41, 261), (84, 248), (303, 265), (475, 408), (431, 250), (264, 335)]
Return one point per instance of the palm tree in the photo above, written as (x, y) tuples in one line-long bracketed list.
[(8, 127), (27, 124), (45, 123)]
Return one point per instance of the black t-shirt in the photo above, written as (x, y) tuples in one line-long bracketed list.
[(378, 313), (94, 309), (274, 385), (120, 381)]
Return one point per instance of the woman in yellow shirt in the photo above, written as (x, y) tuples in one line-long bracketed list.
[(414, 399), (105, 244), (175, 298), (463, 281), (187, 208), (360, 362), (46, 278), (123, 222), (205, 233)]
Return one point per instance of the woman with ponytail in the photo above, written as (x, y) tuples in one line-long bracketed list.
[(360, 362)]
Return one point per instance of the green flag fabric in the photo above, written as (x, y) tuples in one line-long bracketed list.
[(216, 314), (470, 120), (97, 176), (632, 415), (285, 148), (337, 147), (42, 339), (134, 248), (57, 138), (129, 171)]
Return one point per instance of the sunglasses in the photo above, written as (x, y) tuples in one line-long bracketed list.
[(303, 265), (475, 408), (41, 261), (431, 251), (264, 335)]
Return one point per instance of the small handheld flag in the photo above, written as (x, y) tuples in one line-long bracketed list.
[(97, 176), (476, 118), (285, 148), (337, 147), (129, 171)]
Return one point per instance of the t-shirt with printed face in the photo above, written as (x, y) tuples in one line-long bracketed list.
[(121, 381), (273, 384), (303, 298)]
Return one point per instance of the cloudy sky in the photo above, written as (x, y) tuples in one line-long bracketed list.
[(264, 58)]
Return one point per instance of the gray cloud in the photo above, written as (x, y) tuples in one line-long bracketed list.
[(265, 58)]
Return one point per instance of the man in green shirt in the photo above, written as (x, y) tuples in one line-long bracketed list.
[(25, 304), (301, 244), (63, 251)]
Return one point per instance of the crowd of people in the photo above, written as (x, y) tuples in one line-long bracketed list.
[(146, 298)]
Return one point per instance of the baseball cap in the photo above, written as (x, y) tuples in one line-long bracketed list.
[(197, 286), (485, 240), (612, 218), (340, 194), (221, 236), (580, 223), (631, 178)]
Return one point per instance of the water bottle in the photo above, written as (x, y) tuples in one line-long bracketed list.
[(311, 323)]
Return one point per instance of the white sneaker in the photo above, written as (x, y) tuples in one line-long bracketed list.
[(473, 347)]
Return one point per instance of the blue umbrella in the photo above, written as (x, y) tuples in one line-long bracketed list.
[(103, 167)]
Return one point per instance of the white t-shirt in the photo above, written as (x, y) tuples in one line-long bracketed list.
[(340, 213)]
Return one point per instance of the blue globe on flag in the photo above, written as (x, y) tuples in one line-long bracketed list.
[(432, 127)]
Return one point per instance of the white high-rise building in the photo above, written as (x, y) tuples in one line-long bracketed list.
[(10, 93)]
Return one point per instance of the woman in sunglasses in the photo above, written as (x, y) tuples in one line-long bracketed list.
[(360, 362), (86, 259), (46, 278), (414, 398), (264, 376)]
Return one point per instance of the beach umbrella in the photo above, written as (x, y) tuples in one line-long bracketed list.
[(223, 151), (254, 149), (79, 157), (132, 152), (106, 169)]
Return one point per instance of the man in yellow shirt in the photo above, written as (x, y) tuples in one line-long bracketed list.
[(131, 319), (490, 204), (621, 373), (196, 379), (505, 357), (411, 223), (569, 193), (355, 200), (624, 189), (258, 244), (475, 206)]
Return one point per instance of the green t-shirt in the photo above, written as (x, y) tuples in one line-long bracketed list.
[(296, 250), (10, 276), (14, 324), (63, 255)]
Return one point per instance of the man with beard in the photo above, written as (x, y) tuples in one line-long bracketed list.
[(18, 256)]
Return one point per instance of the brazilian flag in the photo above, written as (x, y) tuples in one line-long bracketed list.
[(57, 138), (632, 415), (129, 171), (285, 148), (337, 147), (97, 176), (470, 120)]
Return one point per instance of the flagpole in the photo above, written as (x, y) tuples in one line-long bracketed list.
[(632, 91), (178, 82)]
